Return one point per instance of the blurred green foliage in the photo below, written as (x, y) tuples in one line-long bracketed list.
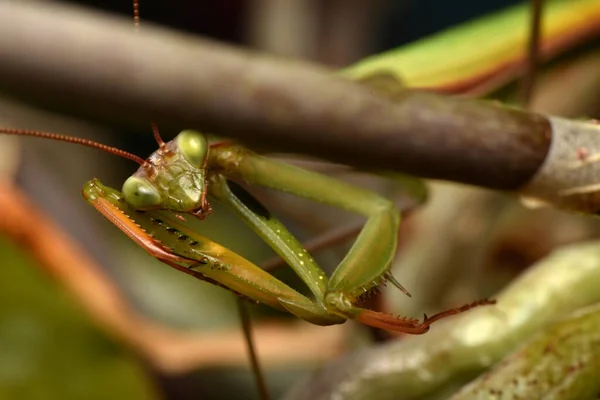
[(49, 348)]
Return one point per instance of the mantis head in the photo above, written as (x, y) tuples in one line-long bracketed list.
[(173, 177)]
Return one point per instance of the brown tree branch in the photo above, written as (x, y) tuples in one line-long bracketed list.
[(94, 66)]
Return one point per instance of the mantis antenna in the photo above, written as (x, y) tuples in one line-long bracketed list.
[(75, 140), (157, 137), (136, 27)]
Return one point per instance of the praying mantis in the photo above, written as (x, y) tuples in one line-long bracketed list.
[(179, 177), (177, 180)]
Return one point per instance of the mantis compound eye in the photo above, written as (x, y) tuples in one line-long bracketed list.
[(194, 147), (140, 194)]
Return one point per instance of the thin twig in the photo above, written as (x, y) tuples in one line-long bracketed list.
[(259, 375), (533, 53)]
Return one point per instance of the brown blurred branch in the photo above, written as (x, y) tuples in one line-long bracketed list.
[(94, 66)]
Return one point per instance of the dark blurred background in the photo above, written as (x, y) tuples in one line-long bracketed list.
[(378, 24)]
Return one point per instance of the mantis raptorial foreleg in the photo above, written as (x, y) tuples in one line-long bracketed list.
[(200, 257)]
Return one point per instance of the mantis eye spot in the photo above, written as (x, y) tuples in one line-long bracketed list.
[(193, 146), (140, 194)]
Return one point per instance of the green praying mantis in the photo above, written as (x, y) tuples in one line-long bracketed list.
[(183, 177), (180, 177), (182, 174)]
